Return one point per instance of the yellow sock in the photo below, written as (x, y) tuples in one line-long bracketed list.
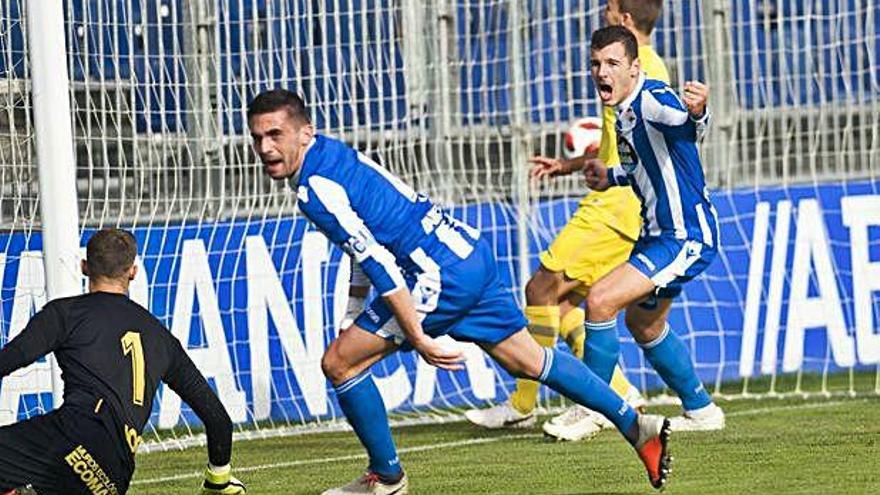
[(571, 328), (544, 327), (619, 383)]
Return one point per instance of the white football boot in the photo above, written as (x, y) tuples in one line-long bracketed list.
[(579, 423), (709, 418), (370, 484), (575, 424), (503, 415)]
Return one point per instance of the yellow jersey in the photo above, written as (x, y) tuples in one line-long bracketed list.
[(618, 206)]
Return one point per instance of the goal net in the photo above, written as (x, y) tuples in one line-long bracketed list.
[(453, 96)]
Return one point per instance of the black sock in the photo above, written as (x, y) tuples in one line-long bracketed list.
[(632, 434), (390, 480)]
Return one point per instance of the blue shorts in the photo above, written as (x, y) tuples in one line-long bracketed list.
[(670, 262), (465, 300)]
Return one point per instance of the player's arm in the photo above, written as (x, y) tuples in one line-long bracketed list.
[(696, 97), (43, 333), (329, 208), (669, 113), (185, 379), (401, 305), (600, 177), (543, 166)]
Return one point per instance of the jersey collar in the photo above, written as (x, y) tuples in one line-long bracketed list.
[(627, 103)]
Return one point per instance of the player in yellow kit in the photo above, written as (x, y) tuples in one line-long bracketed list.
[(598, 238)]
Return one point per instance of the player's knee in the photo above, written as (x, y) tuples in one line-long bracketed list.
[(599, 306), (643, 330), (523, 369), (542, 288), (335, 368)]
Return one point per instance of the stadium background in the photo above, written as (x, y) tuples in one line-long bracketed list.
[(453, 95)]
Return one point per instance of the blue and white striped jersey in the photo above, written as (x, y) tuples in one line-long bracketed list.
[(656, 141), (388, 228)]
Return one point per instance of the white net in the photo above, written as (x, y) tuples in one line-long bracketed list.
[(452, 95), (27, 391)]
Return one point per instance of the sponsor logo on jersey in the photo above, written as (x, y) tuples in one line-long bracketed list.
[(629, 160), (87, 469)]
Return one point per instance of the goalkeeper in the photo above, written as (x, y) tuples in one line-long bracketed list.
[(113, 353), (598, 237)]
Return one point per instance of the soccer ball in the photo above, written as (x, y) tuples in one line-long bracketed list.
[(584, 135)]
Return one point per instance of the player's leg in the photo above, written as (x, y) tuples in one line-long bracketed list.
[(15, 472), (521, 356), (577, 422), (572, 317), (495, 323), (605, 249), (346, 364), (599, 248), (670, 357), (547, 287), (668, 264), (542, 312), (609, 295), (28, 457)]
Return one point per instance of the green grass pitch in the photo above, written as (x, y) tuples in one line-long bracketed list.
[(770, 446)]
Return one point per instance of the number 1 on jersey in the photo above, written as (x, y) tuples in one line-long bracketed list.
[(131, 344)]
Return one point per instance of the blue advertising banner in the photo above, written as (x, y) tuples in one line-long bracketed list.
[(795, 287)]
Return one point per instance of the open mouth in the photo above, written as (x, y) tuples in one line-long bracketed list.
[(273, 165), (605, 91), (272, 162)]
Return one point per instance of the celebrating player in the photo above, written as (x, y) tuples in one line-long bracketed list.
[(657, 134), (112, 354), (435, 276), (598, 238)]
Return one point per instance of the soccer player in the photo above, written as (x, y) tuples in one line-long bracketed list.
[(435, 276), (657, 134), (598, 237), (113, 353)]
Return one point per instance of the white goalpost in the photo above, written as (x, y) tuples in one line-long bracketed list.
[(453, 96)]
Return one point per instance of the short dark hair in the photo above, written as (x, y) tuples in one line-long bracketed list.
[(616, 34), (276, 99), (644, 13), (110, 253)]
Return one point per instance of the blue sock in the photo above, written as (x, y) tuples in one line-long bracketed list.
[(567, 375), (365, 411), (601, 347), (670, 357)]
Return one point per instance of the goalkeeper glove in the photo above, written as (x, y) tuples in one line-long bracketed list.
[(219, 481)]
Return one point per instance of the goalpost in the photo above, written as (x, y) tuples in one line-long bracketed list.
[(453, 96)]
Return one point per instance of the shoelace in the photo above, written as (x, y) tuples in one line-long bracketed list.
[(370, 479)]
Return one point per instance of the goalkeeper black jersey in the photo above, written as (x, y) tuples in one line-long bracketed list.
[(113, 353)]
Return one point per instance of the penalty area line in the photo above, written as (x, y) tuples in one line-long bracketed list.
[(460, 443)]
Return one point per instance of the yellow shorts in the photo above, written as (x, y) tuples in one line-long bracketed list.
[(587, 248)]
